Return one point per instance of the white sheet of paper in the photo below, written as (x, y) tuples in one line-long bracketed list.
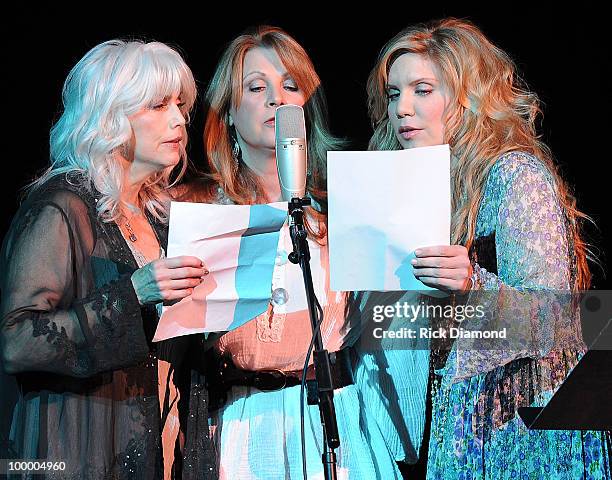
[(382, 207)]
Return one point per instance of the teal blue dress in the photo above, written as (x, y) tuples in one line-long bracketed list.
[(475, 431)]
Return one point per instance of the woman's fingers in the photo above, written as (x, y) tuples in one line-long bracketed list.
[(446, 267), (180, 267), (179, 284), (442, 257), (441, 262), (186, 272), (448, 273), (441, 251), (168, 278), (183, 261), (443, 283)]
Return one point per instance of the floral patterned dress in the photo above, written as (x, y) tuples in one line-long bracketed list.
[(476, 432)]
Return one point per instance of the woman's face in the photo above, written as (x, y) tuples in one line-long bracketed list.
[(158, 134), (266, 85), (416, 101)]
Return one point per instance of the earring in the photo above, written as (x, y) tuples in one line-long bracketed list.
[(236, 154), (124, 150)]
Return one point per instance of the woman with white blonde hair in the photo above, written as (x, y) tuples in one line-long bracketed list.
[(83, 267)]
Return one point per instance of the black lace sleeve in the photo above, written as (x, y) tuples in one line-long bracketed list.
[(53, 315)]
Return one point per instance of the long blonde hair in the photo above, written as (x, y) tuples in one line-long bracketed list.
[(113, 80), (492, 112)]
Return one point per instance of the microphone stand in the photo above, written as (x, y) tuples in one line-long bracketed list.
[(325, 387)]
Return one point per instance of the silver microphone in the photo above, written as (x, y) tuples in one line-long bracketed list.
[(291, 151)]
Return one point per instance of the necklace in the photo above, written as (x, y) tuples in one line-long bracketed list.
[(132, 237)]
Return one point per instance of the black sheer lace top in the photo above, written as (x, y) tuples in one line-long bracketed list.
[(77, 340)]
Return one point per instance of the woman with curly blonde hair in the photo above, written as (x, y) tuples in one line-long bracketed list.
[(515, 228)]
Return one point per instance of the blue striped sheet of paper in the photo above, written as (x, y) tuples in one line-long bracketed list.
[(258, 247)]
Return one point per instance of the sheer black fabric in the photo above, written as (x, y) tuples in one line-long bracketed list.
[(78, 344)]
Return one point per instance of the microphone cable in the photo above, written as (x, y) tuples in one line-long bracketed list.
[(319, 311)]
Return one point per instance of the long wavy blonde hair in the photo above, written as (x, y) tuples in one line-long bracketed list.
[(114, 80), (492, 112), (225, 90)]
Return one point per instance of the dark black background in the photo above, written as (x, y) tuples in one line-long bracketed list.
[(563, 55)]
